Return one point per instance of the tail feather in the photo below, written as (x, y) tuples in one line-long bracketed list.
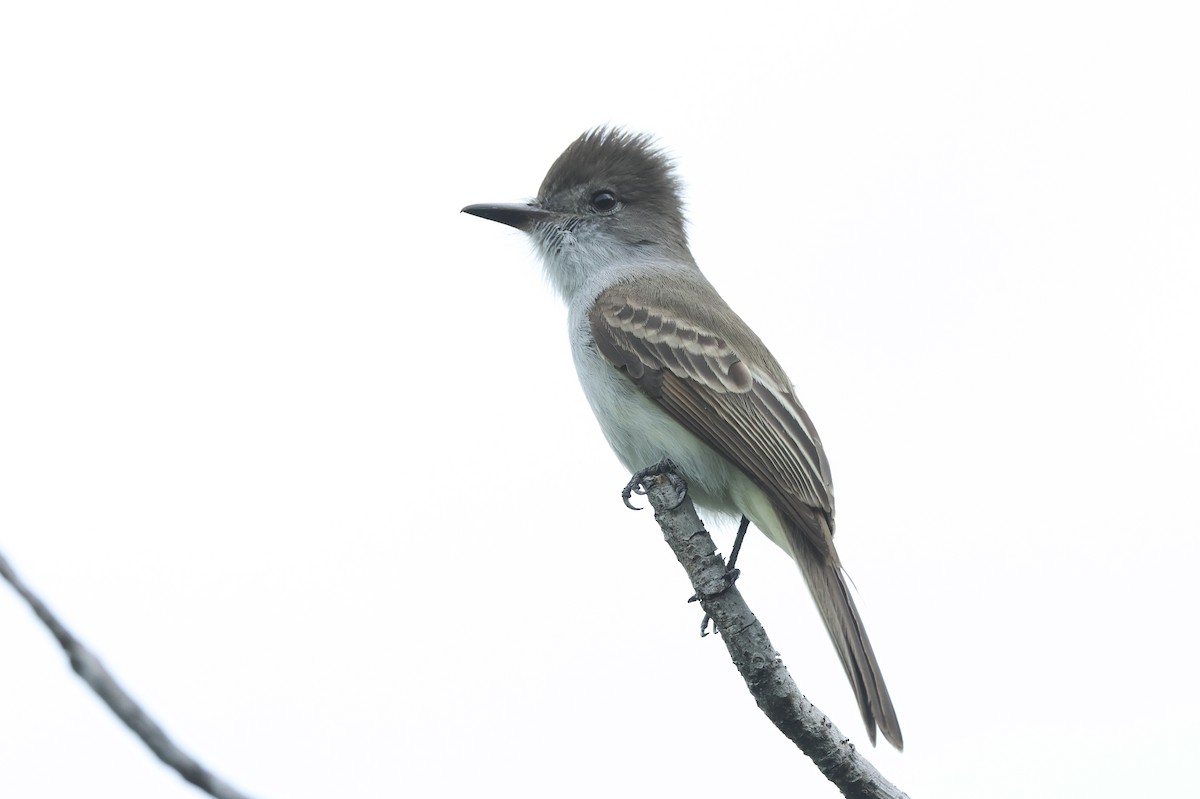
[(827, 582)]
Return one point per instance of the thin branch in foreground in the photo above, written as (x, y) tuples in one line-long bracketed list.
[(89, 667), (762, 668)]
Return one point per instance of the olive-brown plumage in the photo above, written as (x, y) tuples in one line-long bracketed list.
[(671, 371)]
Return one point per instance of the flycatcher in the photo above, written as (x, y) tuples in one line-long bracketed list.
[(671, 371)]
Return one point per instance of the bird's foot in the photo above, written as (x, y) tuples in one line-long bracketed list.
[(731, 576), (665, 467)]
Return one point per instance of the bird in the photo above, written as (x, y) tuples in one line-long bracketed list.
[(671, 371)]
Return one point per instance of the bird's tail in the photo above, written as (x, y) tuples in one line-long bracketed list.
[(827, 583)]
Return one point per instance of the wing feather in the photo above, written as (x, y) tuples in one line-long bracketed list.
[(747, 415)]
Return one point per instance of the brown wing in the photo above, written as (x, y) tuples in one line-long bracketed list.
[(737, 407)]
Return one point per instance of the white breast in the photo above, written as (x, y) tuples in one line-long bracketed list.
[(641, 434)]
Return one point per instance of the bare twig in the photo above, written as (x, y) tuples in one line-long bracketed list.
[(752, 652), (89, 667)]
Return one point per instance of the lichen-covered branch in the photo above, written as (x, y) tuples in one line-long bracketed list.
[(752, 652)]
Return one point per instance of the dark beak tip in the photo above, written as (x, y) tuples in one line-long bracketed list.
[(519, 215)]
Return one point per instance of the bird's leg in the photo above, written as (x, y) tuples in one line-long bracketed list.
[(737, 545), (665, 466), (731, 574)]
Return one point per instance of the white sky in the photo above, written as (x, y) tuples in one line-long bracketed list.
[(299, 450)]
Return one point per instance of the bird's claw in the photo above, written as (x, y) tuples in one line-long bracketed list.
[(665, 466), (631, 488), (730, 578)]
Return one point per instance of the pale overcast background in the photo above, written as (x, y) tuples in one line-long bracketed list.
[(299, 450)]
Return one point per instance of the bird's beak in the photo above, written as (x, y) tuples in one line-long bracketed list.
[(522, 216)]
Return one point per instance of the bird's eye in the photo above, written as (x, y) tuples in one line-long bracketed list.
[(604, 201)]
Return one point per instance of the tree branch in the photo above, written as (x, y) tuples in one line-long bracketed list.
[(766, 676), (89, 667)]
